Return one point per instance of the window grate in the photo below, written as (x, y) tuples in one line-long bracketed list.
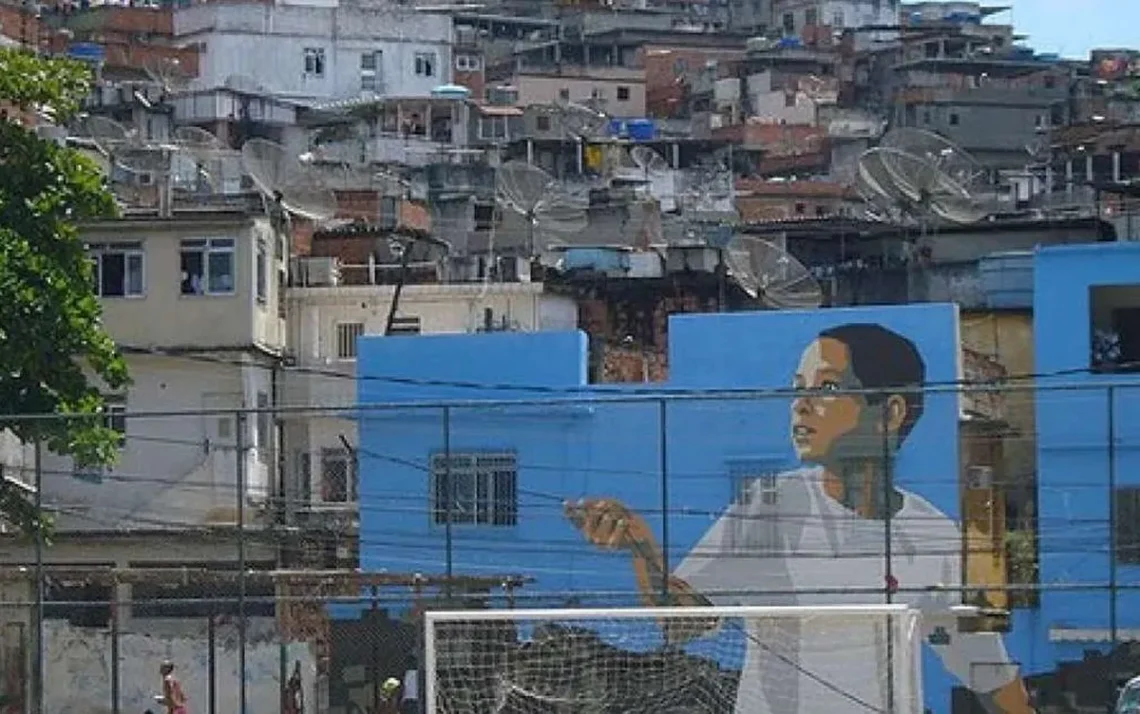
[(347, 333), (483, 489)]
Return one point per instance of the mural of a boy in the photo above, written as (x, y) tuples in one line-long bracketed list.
[(824, 531)]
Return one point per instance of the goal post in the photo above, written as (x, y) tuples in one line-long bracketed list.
[(863, 659)]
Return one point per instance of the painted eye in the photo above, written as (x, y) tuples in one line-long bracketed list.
[(829, 386)]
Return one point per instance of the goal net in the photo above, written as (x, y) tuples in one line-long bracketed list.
[(714, 660)]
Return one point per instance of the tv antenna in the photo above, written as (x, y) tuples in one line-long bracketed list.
[(542, 202), (283, 179), (770, 274)]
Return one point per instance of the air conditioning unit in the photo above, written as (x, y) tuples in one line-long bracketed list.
[(979, 477), (316, 272)]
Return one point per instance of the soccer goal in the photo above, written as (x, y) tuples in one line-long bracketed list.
[(706, 660)]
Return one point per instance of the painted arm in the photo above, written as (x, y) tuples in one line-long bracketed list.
[(738, 554), (992, 681), (609, 524), (978, 659)]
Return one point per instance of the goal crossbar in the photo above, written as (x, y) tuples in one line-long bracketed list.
[(434, 619), (629, 613)]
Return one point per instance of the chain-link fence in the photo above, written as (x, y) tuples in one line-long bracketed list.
[(242, 570)]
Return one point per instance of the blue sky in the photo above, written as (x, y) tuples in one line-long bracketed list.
[(1073, 27)]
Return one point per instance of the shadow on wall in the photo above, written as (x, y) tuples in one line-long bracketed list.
[(78, 666)]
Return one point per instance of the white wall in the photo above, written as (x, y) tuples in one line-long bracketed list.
[(267, 42), (163, 317), (78, 666), (179, 470), (772, 106), (15, 461)]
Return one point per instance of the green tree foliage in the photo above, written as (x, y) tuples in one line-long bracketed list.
[(55, 357)]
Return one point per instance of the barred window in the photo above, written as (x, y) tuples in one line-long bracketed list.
[(483, 489), (346, 335), (338, 476)]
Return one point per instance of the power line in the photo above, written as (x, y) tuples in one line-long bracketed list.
[(662, 391)]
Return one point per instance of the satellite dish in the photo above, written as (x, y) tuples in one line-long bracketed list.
[(199, 141), (533, 194), (925, 176), (208, 154), (875, 184), (107, 135), (283, 178), (123, 148), (583, 122), (771, 275), (577, 120), (648, 160)]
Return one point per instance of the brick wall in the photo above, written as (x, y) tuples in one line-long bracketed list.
[(668, 71), (629, 336), (18, 24)]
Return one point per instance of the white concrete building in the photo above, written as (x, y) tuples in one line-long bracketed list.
[(792, 16), (324, 324), (194, 303), (317, 51)]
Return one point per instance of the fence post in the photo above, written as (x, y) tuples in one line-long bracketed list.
[(663, 455), (887, 495), (212, 662), (38, 662), (115, 695), (240, 425), (1113, 545), (449, 496)]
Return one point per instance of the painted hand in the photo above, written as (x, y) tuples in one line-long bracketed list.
[(607, 523)]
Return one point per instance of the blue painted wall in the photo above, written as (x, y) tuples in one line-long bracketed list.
[(568, 451), (1073, 453)]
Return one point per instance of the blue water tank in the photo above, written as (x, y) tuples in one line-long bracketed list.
[(1007, 279), (86, 51), (612, 261), (641, 129), (451, 91)]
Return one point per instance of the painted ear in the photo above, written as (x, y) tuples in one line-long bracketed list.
[(896, 413)]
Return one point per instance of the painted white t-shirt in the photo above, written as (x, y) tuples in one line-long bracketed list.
[(796, 538)]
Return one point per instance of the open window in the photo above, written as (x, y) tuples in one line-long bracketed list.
[(1115, 323), (207, 266)]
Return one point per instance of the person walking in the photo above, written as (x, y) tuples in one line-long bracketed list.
[(295, 692), (172, 697)]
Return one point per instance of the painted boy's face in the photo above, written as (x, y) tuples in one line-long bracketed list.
[(830, 427)]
